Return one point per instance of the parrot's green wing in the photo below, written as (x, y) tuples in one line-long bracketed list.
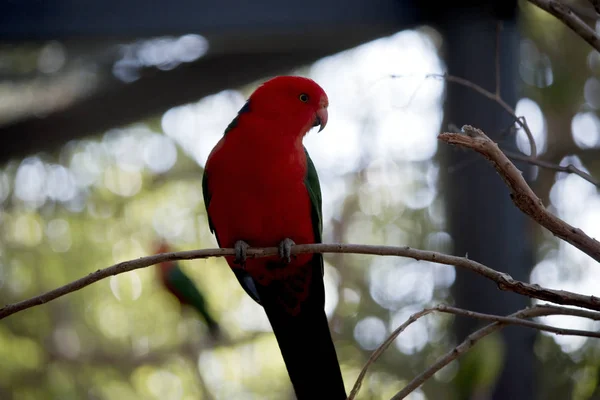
[(311, 181), (206, 195)]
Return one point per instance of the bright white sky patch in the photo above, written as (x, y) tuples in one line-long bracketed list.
[(368, 109), (416, 335), (198, 127), (370, 332), (393, 117), (535, 120), (585, 130)]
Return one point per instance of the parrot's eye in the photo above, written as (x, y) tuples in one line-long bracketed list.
[(303, 98)]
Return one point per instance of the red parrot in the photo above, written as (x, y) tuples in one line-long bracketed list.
[(261, 189), (183, 288)]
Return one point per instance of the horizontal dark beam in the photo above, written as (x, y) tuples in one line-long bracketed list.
[(140, 99), (60, 19), (247, 41)]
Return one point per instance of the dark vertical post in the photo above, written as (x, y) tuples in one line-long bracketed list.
[(481, 217)]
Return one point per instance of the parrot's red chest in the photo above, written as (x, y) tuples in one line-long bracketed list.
[(258, 195)]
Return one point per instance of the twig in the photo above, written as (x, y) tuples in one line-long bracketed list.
[(523, 322), (496, 98), (510, 320), (573, 312), (596, 4), (569, 18), (521, 194), (384, 346), (498, 31), (504, 281), (531, 159), (476, 336), (571, 169), (446, 359)]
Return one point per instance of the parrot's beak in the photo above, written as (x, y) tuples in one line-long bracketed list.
[(321, 118)]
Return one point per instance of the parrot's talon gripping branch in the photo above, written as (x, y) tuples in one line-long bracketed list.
[(241, 248), (285, 249)]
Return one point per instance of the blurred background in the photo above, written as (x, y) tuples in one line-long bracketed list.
[(108, 111)]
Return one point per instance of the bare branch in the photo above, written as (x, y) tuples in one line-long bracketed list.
[(496, 98), (596, 4), (531, 159), (522, 322), (514, 319), (574, 312), (521, 194), (472, 339), (570, 169), (498, 31), (446, 359), (504, 281), (384, 346), (569, 18)]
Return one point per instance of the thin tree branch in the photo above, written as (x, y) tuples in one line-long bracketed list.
[(596, 4), (447, 358), (514, 319), (522, 322), (384, 346), (496, 98), (571, 169), (472, 339), (573, 312), (498, 31), (521, 194), (569, 18), (504, 281), (531, 159)]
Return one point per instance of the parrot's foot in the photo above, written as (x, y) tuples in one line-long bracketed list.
[(285, 249), (240, 248)]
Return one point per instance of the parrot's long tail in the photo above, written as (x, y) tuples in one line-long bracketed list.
[(304, 337)]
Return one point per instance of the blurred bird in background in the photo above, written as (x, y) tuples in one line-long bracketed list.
[(185, 291)]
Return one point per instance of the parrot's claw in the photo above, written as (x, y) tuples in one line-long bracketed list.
[(240, 248), (285, 249)]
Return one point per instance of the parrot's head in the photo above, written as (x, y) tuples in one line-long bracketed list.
[(297, 102)]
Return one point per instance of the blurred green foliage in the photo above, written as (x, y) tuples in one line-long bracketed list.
[(107, 198)]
